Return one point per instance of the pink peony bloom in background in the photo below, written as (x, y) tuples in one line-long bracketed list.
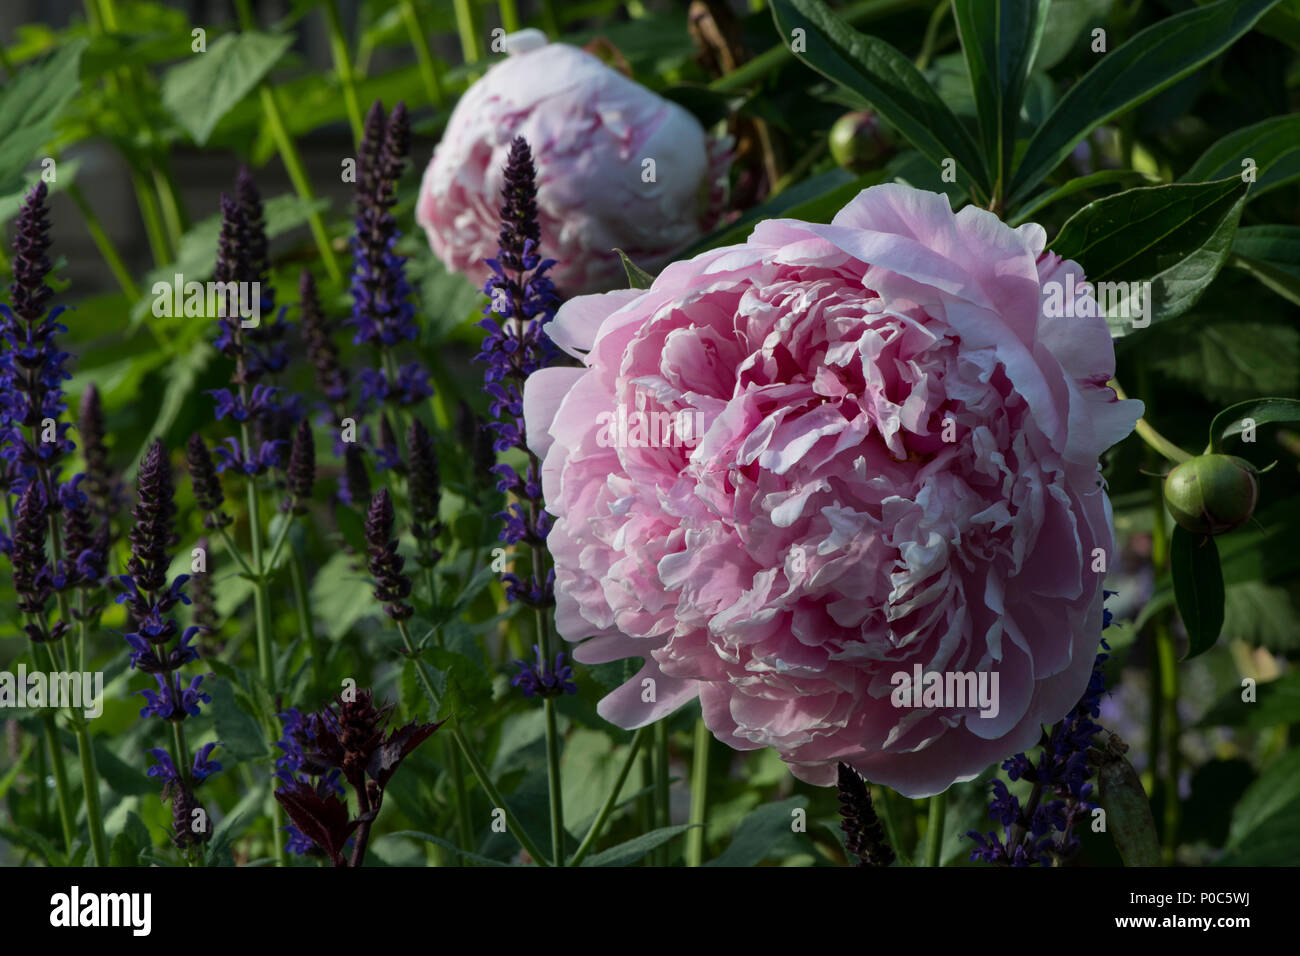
[(795, 468), (617, 167)]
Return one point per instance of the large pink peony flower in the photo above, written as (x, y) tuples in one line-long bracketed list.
[(617, 167), (793, 469)]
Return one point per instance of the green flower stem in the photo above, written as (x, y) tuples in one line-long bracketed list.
[(233, 550), (90, 784), (1156, 441), (1164, 722), (276, 545), (298, 176), (884, 807), (105, 245), (699, 794), (423, 55), (153, 225), (90, 775), (261, 596), (66, 815), (468, 30), (553, 781), (931, 37), (476, 765), (646, 804), (934, 829), (551, 20), (509, 15), (343, 68), (289, 156), (662, 807), (598, 824), (170, 206)]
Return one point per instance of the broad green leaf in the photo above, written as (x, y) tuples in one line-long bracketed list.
[(126, 846), (625, 854), (1000, 40), (1276, 702), (1080, 183), (1273, 145), (1263, 615), (1236, 419), (1150, 61), (885, 79), (1198, 588), (637, 278), (30, 106), (200, 92), (764, 833), (341, 594), (1128, 810), (1175, 236), (239, 733), (1265, 829), (461, 685), (1224, 351)]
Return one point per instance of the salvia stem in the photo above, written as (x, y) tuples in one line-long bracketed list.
[(476, 765), (99, 237), (611, 800), (699, 794), (261, 597), (232, 549), (934, 829), (289, 156), (1164, 712), (468, 30), (66, 815), (423, 55), (662, 805), (554, 785), (343, 68)]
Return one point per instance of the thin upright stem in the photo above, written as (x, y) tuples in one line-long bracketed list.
[(343, 68), (423, 55), (66, 814), (662, 802), (289, 156), (467, 27), (1156, 441), (99, 237), (261, 596), (699, 794), (934, 830), (611, 800)]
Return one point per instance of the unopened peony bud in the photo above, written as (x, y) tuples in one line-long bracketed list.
[(1212, 494), (617, 167), (859, 141)]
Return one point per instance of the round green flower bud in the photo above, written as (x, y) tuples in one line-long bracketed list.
[(859, 142), (1211, 494)]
